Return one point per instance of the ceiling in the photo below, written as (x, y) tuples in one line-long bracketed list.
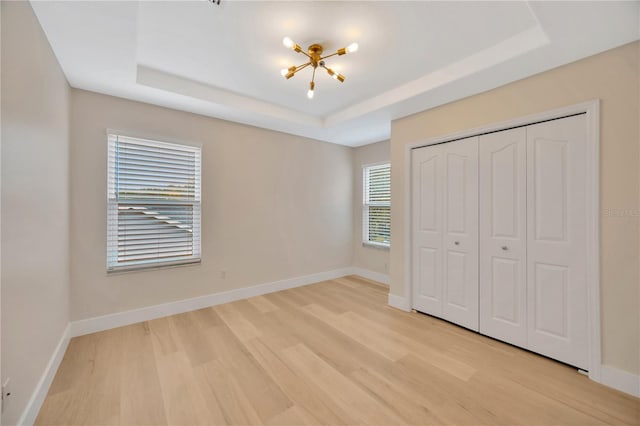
[(224, 60)]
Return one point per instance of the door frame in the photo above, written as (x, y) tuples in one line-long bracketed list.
[(592, 110)]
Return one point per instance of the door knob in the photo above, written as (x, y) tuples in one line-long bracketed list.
[(457, 243), (505, 248)]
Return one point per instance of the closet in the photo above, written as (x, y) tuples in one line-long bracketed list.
[(498, 236)]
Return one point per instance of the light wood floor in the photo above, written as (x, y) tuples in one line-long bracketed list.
[(328, 353)]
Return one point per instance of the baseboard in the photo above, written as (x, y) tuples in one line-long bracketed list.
[(399, 302), (119, 319), (40, 392), (371, 275), (621, 380)]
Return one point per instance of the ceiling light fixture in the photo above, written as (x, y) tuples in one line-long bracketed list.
[(314, 54)]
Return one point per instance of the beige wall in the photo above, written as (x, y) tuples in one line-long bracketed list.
[(274, 206), (613, 77), (367, 257), (35, 204)]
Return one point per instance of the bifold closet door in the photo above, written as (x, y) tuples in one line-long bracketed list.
[(498, 240), (445, 231), (556, 243), (503, 220)]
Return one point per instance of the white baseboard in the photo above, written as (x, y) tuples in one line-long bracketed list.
[(399, 302), (620, 380), (40, 392), (119, 319), (371, 275)]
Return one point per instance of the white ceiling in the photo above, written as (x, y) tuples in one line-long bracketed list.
[(224, 61)]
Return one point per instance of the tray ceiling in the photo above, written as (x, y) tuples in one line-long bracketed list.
[(224, 61)]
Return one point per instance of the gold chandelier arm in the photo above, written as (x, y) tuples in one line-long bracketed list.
[(301, 67), (303, 52), (353, 47), (294, 69), (328, 56), (313, 76)]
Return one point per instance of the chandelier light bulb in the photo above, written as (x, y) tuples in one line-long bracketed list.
[(287, 42), (353, 47), (312, 86), (284, 72)]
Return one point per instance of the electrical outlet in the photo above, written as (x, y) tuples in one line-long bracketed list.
[(223, 274), (6, 393)]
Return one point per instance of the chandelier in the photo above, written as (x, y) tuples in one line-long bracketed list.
[(315, 59)]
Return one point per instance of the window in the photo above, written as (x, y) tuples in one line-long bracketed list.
[(376, 221), (153, 204)]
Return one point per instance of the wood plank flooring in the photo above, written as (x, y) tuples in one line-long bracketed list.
[(329, 353)]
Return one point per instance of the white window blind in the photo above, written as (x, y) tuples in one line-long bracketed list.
[(377, 204), (153, 216)]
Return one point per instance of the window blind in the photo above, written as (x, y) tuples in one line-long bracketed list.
[(153, 213), (377, 204)]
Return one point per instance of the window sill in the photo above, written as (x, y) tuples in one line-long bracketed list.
[(152, 266), (379, 246)]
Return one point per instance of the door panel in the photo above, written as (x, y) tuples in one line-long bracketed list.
[(429, 286), (456, 190), (556, 244), (550, 186), (426, 184), (551, 300), (456, 285), (428, 177), (506, 172), (503, 285), (460, 216), (505, 294)]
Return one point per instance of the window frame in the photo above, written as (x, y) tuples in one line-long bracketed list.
[(113, 203), (366, 205)]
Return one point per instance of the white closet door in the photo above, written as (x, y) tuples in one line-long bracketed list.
[(460, 226), (556, 244), (427, 183), (503, 229)]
